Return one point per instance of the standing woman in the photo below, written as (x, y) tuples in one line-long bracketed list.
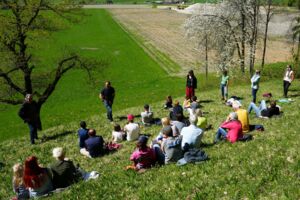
[(224, 85), (191, 84), (255, 84), (287, 79)]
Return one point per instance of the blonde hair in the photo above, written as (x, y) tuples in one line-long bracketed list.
[(18, 174), (165, 121)]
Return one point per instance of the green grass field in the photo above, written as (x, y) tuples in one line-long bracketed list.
[(135, 76), (264, 168)]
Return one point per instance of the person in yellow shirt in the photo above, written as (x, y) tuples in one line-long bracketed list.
[(242, 115)]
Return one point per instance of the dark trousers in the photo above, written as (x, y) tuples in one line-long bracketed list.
[(254, 91), (33, 132), (108, 107), (286, 86)]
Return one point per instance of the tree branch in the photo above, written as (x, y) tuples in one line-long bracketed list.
[(10, 82), (11, 102)]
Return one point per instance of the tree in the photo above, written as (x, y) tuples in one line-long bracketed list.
[(20, 25), (296, 39), (267, 5)]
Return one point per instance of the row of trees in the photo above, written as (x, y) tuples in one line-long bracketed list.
[(231, 29)]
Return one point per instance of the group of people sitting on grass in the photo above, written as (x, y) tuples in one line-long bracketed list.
[(34, 180)]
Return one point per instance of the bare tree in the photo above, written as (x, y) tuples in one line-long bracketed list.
[(20, 28), (267, 5)]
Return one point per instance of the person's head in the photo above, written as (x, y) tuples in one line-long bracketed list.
[(142, 142), (28, 98), (187, 98), (198, 112), (130, 118), (193, 119), (191, 73), (169, 98), (117, 127), (18, 173), (92, 132), (194, 98), (107, 84), (146, 107), (58, 153), (236, 105), (273, 104), (167, 131), (179, 117), (225, 72), (257, 71), (83, 124), (289, 67), (176, 103), (32, 172), (233, 116), (165, 121)]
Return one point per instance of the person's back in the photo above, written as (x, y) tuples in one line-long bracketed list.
[(202, 123), (272, 110), (94, 146), (82, 134), (243, 118), (132, 131), (179, 125), (64, 173), (172, 149), (192, 134), (147, 115), (235, 130)]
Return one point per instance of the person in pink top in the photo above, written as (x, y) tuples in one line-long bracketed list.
[(143, 157), (231, 129)]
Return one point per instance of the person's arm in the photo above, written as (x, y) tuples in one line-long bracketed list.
[(292, 76)]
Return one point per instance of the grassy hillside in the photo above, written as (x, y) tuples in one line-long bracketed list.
[(135, 76), (264, 168)]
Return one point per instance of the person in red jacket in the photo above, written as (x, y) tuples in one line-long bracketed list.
[(231, 129)]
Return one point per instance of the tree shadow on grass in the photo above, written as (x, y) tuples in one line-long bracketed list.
[(294, 95), (206, 101), (46, 138)]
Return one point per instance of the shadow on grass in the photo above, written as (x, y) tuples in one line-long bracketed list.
[(206, 101), (121, 118), (46, 138), (294, 95)]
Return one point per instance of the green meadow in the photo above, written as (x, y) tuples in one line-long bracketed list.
[(265, 168)]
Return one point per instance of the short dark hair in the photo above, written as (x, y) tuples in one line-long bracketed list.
[(167, 131), (117, 127), (179, 117), (92, 132), (82, 124), (273, 104), (194, 98), (146, 106)]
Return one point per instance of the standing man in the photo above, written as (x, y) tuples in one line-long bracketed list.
[(29, 112), (107, 96), (287, 79), (191, 84), (255, 84)]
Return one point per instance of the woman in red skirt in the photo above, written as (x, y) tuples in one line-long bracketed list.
[(191, 84)]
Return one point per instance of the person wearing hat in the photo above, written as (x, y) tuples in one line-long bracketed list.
[(242, 115), (30, 113), (64, 171), (255, 84), (147, 115), (132, 129), (231, 129), (107, 96), (171, 146), (143, 157)]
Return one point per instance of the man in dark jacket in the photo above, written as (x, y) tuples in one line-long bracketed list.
[(107, 96), (30, 113), (94, 144)]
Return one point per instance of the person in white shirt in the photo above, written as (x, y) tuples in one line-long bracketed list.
[(287, 79), (132, 129), (255, 84), (147, 115), (191, 135), (117, 134)]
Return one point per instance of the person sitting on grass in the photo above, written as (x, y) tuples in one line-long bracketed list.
[(63, 169), (263, 111), (242, 115), (231, 129), (93, 145), (143, 157), (171, 146), (167, 122), (169, 102), (147, 116), (178, 123), (37, 179), (132, 129), (177, 109), (191, 135), (194, 105), (18, 183), (118, 135), (201, 121), (186, 103), (82, 135)]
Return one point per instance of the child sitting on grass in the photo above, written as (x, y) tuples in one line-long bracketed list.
[(169, 102), (143, 157), (18, 184), (118, 135)]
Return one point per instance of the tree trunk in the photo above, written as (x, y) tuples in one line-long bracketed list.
[(243, 46), (268, 18), (206, 56)]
